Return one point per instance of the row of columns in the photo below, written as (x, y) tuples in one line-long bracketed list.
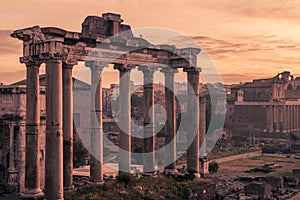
[(59, 120), (149, 129), (59, 125), (283, 118), (293, 116)]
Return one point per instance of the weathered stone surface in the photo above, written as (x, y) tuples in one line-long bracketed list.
[(68, 125), (203, 192), (94, 27), (193, 165), (54, 133), (260, 190)]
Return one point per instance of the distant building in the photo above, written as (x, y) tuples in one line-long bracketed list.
[(265, 105)]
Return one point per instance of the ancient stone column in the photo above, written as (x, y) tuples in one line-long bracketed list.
[(96, 156), (298, 118), (54, 132), (21, 155), (292, 117), (275, 124), (124, 119), (284, 118), (170, 125), (271, 119), (11, 170), (295, 117), (68, 125), (267, 118), (287, 118), (32, 163), (202, 126), (193, 152), (148, 115)]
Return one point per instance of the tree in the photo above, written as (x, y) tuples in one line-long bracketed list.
[(80, 154), (213, 167)]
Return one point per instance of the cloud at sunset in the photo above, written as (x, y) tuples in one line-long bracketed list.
[(245, 39)]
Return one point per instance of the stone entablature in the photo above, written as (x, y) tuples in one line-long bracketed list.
[(42, 44)]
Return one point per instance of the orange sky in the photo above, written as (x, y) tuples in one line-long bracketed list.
[(245, 39)]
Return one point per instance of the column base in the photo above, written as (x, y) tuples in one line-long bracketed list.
[(34, 194), (194, 173), (124, 173), (12, 180), (170, 171)]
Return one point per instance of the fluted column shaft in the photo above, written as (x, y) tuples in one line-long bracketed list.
[(32, 164), (96, 157), (68, 125), (170, 125), (193, 152), (54, 132)]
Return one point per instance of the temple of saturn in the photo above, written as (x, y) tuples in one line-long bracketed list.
[(61, 50)]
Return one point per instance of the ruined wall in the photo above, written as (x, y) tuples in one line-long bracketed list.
[(257, 94), (246, 115)]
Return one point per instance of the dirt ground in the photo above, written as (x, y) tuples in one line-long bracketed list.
[(238, 167)]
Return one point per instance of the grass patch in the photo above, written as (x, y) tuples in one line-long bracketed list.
[(169, 188), (235, 151)]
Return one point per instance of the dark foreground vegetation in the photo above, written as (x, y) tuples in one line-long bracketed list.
[(148, 188)]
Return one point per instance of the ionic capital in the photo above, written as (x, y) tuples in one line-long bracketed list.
[(32, 63), (69, 63), (95, 65), (148, 70), (124, 67), (192, 70)]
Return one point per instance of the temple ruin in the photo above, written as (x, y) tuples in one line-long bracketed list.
[(61, 50)]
